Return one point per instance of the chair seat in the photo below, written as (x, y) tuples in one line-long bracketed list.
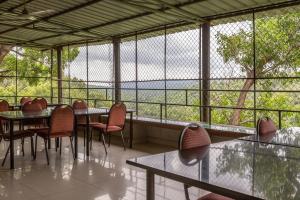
[(84, 124), (103, 127), (214, 196), (36, 129), (18, 135), (44, 133)]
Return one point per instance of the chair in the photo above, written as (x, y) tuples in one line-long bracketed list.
[(115, 123), (81, 120), (193, 136), (4, 106), (23, 100), (265, 126), (21, 134), (32, 107), (42, 101), (61, 125)]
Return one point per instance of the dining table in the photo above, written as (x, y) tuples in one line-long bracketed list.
[(238, 169), (286, 136), (17, 116), (19, 106)]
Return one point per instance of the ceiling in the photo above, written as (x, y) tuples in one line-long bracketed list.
[(80, 21)]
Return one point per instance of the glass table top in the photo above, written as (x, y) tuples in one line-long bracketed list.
[(19, 115), (258, 170), (287, 136)]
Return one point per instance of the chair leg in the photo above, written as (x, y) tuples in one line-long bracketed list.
[(103, 141), (35, 149), (45, 141), (22, 143), (55, 145), (109, 138), (123, 140), (99, 139), (186, 192), (72, 148), (84, 138), (3, 162), (32, 146), (60, 144), (91, 140)]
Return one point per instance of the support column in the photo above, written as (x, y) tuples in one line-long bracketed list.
[(51, 74), (205, 71), (117, 69), (59, 74)]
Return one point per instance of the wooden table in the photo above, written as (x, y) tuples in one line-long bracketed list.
[(237, 169)]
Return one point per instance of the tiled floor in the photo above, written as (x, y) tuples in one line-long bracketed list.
[(99, 177)]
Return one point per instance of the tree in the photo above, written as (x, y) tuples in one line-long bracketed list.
[(277, 40)]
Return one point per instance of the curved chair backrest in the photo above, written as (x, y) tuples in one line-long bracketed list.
[(265, 126), (4, 106), (23, 100), (42, 101), (117, 115), (79, 104), (62, 120), (32, 107), (192, 136)]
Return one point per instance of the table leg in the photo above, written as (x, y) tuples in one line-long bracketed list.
[(87, 136), (49, 141), (131, 130), (76, 138), (150, 185), (11, 140)]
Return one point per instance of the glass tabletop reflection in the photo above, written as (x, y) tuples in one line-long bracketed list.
[(263, 171), (287, 136)]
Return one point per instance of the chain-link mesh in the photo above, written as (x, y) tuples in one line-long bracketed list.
[(128, 74), (254, 64), (232, 70), (151, 75)]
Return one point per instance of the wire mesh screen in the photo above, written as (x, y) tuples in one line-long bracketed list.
[(100, 74), (232, 71), (128, 74), (254, 71), (277, 63), (25, 72), (183, 75)]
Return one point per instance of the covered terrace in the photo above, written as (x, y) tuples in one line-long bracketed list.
[(221, 64)]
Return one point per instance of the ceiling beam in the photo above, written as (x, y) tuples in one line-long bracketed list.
[(15, 41), (51, 22), (116, 21), (43, 30), (80, 6), (20, 5), (160, 11), (184, 12)]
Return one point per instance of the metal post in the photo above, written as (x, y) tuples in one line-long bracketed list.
[(87, 73), (51, 75), (254, 67), (69, 77), (200, 72), (59, 74), (205, 70), (16, 76), (116, 66), (136, 78), (165, 73)]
